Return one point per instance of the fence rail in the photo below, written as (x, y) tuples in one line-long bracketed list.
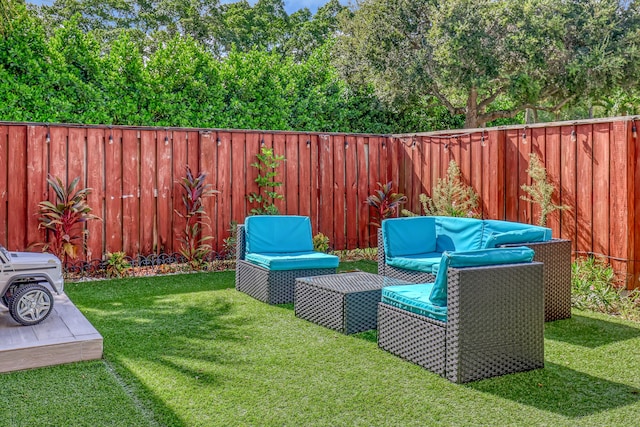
[(134, 174)]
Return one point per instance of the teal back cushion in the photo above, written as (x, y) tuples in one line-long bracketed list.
[(494, 226), (475, 258), (278, 234), (458, 234), (526, 235), (409, 236)]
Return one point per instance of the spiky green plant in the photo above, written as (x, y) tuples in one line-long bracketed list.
[(267, 164), (194, 246), (385, 203), (64, 219), (540, 192)]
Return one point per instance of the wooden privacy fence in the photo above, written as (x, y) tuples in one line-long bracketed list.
[(134, 174)]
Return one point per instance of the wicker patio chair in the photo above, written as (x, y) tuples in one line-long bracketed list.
[(277, 286), (555, 254), (494, 324)]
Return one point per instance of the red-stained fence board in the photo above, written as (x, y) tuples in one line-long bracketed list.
[(512, 177), (164, 190), (476, 150), (76, 155), (254, 146), (339, 191), (584, 199), (207, 161), (351, 191), (426, 183), (193, 150), (16, 188), (291, 189), (305, 190), (538, 147), (95, 199), (326, 212), (553, 147), (113, 190), (238, 175), (568, 183), (524, 151), (148, 190), (362, 210), (130, 192), (314, 171), (36, 179), (601, 188), (280, 149), (223, 143), (374, 179), (179, 171), (618, 207), (58, 154), (4, 169)]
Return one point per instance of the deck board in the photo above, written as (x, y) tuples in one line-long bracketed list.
[(66, 336)]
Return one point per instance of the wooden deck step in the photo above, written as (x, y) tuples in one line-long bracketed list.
[(65, 336)]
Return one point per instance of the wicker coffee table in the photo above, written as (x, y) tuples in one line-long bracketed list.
[(345, 302)]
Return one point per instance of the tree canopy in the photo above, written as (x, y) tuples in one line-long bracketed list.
[(486, 59)]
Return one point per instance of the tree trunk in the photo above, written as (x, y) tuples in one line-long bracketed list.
[(471, 114)]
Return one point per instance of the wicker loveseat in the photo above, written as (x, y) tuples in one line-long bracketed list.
[(410, 249), (272, 251), (481, 317)]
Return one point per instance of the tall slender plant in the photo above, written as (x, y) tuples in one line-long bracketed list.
[(64, 219), (540, 192), (267, 194), (194, 245)]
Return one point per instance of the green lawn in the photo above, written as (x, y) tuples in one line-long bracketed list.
[(189, 350)]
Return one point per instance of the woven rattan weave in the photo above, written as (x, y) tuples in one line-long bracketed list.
[(346, 302), (495, 325), (554, 254), (273, 287)]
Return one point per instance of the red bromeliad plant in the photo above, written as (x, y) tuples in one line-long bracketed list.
[(194, 247), (385, 202), (65, 218)]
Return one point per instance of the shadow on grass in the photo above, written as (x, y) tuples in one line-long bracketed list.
[(561, 390), (589, 332)]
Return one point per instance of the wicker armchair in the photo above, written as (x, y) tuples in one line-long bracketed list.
[(276, 286), (555, 254), (494, 325)]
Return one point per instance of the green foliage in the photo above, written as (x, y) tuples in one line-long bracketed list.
[(194, 247), (267, 164), (321, 243), (117, 264), (64, 219), (229, 243), (385, 203), (593, 287), (450, 197), (540, 192)]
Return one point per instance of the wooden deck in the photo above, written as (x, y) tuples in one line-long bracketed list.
[(65, 336)]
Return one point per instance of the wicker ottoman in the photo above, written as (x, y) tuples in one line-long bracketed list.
[(346, 302)]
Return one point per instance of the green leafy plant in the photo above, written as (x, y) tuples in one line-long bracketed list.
[(321, 243), (229, 244), (117, 264), (540, 192), (385, 203), (450, 197), (194, 247), (267, 164), (64, 219), (593, 287)]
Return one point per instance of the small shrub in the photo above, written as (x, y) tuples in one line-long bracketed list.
[(450, 197), (540, 192), (385, 203), (593, 288), (229, 244), (64, 219), (321, 243), (117, 264), (267, 164)]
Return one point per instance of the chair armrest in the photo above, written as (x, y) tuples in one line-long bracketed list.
[(240, 242)]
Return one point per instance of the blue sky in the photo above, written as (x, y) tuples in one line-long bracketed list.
[(290, 5)]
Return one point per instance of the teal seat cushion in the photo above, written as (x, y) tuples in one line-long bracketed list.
[(493, 226), (458, 234), (409, 236), (294, 260), (418, 262), (526, 235), (477, 258), (278, 234), (414, 298)]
